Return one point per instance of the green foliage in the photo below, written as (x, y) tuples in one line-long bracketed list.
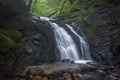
[(40, 8), (89, 30), (75, 7), (11, 29), (47, 7), (15, 34), (57, 7), (5, 43)]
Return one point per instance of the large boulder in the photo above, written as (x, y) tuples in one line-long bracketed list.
[(40, 44)]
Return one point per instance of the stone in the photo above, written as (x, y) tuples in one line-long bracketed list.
[(96, 76), (67, 61), (87, 68), (104, 68), (115, 74), (67, 75), (85, 77), (45, 78), (37, 78), (110, 77), (91, 67), (69, 79), (29, 49), (61, 78), (35, 70)]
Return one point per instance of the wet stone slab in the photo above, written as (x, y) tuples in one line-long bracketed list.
[(64, 71)]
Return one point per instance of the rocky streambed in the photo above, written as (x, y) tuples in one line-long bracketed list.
[(64, 71)]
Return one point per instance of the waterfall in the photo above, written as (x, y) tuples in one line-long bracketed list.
[(65, 43), (83, 45), (67, 46)]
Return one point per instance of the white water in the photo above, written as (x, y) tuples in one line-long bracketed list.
[(66, 44), (82, 61), (83, 45)]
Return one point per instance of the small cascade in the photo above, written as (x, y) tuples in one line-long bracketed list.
[(67, 46), (83, 44), (65, 43)]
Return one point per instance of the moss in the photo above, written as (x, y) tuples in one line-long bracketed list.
[(84, 24), (89, 30), (75, 7), (15, 34), (12, 25), (5, 32), (5, 43), (8, 41)]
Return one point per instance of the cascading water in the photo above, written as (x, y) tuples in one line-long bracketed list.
[(83, 45), (67, 46), (65, 43)]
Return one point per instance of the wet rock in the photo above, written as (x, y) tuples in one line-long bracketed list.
[(37, 78), (37, 43), (34, 71), (87, 68), (76, 75), (115, 74), (67, 75), (102, 67), (29, 49), (101, 72), (67, 61), (45, 78), (85, 77), (61, 78), (37, 37), (92, 67), (110, 77), (96, 76), (68, 71)]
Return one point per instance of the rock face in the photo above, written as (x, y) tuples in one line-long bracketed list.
[(40, 44), (104, 24), (101, 27)]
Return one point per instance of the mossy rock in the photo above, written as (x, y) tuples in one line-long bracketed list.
[(15, 34), (6, 43), (11, 25), (5, 32)]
